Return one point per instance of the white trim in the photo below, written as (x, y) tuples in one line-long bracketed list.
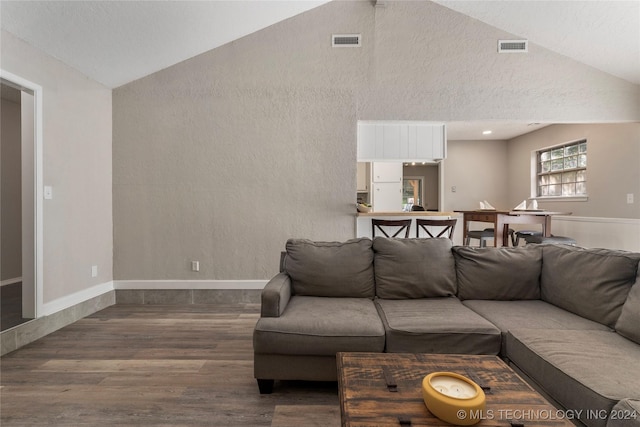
[(11, 281), (188, 284), (38, 193), (572, 218), (561, 198), (76, 298)]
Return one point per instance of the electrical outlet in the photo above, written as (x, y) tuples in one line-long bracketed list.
[(195, 265), (453, 188), (630, 198), (94, 271)]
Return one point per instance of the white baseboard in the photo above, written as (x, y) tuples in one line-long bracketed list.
[(10, 281), (188, 284), (75, 298)]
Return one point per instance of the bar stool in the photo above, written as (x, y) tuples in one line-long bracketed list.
[(448, 226), (556, 240), (403, 224)]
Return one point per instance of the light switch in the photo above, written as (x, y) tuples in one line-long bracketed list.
[(48, 192), (630, 198), (94, 271)]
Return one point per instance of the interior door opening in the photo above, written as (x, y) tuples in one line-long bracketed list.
[(21, 211)]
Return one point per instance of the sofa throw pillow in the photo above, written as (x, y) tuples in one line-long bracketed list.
[(330, 269), (593, 283), (413, 268), (498, 273), (628, 324)]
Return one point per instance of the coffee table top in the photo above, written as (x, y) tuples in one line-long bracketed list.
[(385, 389)]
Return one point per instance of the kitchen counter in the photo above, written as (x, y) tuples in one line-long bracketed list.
[(405, 214), (363, 219)]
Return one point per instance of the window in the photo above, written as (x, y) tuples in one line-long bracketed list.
[(562, 170)]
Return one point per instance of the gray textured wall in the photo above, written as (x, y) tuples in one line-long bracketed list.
[(223, 157), (77, 125)]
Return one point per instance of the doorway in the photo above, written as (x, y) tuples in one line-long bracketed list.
[(422, 182), (21, 216)]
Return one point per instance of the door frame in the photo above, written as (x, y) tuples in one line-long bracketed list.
[(38, 193)]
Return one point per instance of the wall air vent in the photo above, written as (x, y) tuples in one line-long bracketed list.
[(346, 40), (513, 46)]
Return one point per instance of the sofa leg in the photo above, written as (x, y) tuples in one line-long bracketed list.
[(265, 386)]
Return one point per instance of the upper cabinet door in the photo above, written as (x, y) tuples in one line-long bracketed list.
[(387, 172), (401, 141)]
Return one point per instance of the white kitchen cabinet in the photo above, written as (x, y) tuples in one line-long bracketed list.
[(387, 172), (363, 177), (401, 141), (387, 197)]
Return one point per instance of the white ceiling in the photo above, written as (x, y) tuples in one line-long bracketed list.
[(116, 42), (604, 34)]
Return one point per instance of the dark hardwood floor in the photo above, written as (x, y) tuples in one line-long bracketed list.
[(131, 365)]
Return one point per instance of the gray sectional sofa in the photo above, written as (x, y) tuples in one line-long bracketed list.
[(566, 318)]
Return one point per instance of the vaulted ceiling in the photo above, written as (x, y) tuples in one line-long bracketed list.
[(116, 42)]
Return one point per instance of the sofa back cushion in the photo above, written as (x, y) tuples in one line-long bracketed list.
[(628, 324), (498, 273), (330, 269), (414, 268), (592, 283)]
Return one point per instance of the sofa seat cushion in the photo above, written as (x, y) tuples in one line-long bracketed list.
[(531, 314), (581, 369), (321, 326), (436, 325)]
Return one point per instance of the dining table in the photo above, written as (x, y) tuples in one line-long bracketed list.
[(501, 219)]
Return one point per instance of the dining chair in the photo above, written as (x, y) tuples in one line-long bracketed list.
[(523, 234), (484, 235), (380, 224), (447, 225)]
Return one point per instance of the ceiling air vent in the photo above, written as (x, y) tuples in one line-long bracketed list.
[(513, 46), (346, 40)]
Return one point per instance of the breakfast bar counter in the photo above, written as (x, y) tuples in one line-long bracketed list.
[(363, 219)]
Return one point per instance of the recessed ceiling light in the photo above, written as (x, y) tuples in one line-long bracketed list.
[(487, 132)]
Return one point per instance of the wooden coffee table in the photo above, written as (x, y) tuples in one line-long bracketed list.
[(385, 389)]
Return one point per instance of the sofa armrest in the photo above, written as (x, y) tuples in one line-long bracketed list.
[(275, 296)]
